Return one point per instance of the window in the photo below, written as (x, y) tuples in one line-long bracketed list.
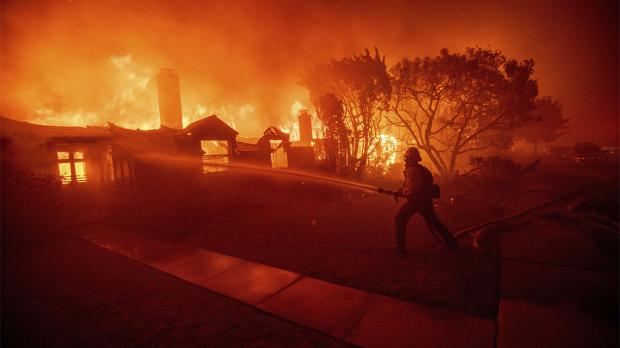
[(109, 165), (71, 166), (216, 155)]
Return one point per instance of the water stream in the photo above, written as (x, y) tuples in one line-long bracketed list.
[(304, 175), (181, 160)]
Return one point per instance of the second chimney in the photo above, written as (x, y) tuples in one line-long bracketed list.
[(169, 99), (305, 128)]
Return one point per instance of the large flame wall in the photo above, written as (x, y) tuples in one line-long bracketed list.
[(87, 62)]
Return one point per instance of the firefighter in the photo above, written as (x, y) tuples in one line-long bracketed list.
[(417, 189)]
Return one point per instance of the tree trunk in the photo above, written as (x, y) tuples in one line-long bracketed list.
[(435, 161)]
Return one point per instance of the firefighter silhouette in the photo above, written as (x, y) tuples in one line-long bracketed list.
[(419, 190)]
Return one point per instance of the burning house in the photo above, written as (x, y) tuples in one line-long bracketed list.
[(275, 150), (215, 140), (133, 158), (96, 156), (79, 155), (253, 154)]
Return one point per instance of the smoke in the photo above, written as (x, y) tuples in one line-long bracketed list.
[(95, 61)]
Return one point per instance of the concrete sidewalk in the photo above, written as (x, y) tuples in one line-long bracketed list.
[(558, 289), (358, 317)]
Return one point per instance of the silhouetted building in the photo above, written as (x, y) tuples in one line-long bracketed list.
[(149, 158), (94, 156), (301, 157), (79, 155), (215, 139), (253, 154)]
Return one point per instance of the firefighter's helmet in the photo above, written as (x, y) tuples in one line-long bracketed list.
[(412, 154)]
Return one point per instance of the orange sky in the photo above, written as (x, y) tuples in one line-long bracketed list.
[(93, 61)]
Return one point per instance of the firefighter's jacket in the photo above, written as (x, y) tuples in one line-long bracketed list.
[(413, 186)]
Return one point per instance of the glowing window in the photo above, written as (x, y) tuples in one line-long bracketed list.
[(71, 166), (65, 172), (80, 171), (109, 165), (215, 157)]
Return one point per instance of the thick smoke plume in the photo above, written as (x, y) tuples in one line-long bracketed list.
[(89, 62)]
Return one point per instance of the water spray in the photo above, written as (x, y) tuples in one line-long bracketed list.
[(330, 180), (304, 175), (187, 160)]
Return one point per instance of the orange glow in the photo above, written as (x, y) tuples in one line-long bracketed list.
[(387, 152), (291, 125), (279, 158), (89, 62), (216, 154)]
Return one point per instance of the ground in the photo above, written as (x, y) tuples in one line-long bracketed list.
[(58, 290), (71, 293)]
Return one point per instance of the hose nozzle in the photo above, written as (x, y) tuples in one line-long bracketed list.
[(388, 192)]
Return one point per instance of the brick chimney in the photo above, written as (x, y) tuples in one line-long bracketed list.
[(305, 128), (169, 99)]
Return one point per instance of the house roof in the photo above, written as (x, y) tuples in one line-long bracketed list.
[(160, 140), (210, 128), (164, 140), (11, 129)]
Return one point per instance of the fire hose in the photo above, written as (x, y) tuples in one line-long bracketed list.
[(399, 193), (477, 227)]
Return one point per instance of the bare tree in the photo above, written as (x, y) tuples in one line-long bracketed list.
[(362, 85), (457, 103)]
